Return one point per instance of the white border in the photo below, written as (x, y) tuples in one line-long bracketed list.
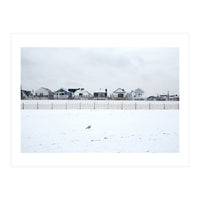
[(97, 159)]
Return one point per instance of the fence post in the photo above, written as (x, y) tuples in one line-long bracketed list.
[(80, 106), (66, 106), (23, 106), (164, 106), (135, 106), (122, 106), (108, 105), (52, 106), (149, 106), (37, 106), (178, 106)]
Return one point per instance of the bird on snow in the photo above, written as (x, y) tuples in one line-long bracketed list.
[(88, 127)]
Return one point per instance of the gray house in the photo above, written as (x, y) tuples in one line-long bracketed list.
[(43, 93), (174, 97), (63, 94), (25, 94)]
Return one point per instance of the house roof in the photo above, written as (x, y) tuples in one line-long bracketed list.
[(174, 95), (25, 93), (132, 91), (119, 90), (62, 90), (139, 90), (46, 89), (163, 95), (73, 89), (151, 97), (100, 91), (83, 91)]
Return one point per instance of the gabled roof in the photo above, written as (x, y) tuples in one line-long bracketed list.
[(83, 91), (132, 91), (151, 97), (100, 91), (119, 90), (45, 89), (73, 89), (62, 90), (26, 93), (139, 90)]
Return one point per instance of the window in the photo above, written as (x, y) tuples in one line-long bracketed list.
[(120, 95), (102, 94), (95, 94)]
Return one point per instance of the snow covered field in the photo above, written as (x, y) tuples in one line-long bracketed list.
[(112, 131)]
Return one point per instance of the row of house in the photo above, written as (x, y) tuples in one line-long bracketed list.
[(81, 93), (164, 98)]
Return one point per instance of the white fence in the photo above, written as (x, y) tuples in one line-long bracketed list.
[(119, 106)]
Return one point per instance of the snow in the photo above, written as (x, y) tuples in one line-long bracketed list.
[(111, 131)]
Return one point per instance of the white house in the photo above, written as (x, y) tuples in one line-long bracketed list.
[(100, 94), (44, 93), (82, 94), (137, 94), (119, 94), (130, 95)]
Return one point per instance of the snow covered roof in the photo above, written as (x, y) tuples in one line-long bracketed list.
[(46, 89), (83, 91), (100, 91), (119, 90), (43, 88), (138, 90), (61, 89)]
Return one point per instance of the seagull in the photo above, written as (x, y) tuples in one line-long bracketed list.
[(88, 127)]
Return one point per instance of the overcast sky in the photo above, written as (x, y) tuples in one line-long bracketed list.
[(155, 70)]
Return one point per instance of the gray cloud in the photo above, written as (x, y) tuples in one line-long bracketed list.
[(155, 70)]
